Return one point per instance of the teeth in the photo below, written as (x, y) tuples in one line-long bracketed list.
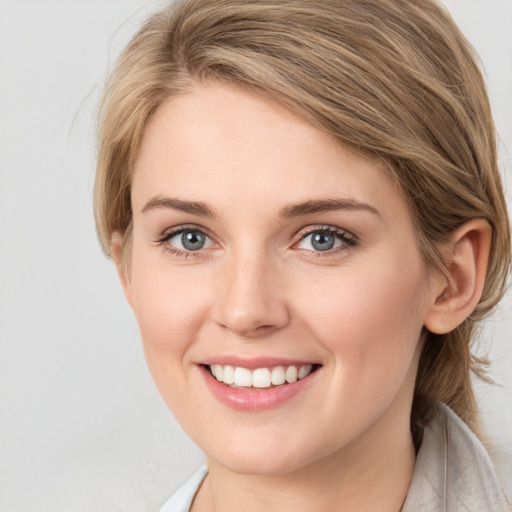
[(260, 377), (218, 372), (229, 374), (278, 375), (243, 377), (304, 371), (291, 374)]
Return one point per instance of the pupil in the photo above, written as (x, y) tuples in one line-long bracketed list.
[(322, 241), (192, 240)]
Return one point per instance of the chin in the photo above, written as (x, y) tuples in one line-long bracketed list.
[(263, 458), (261, 465)]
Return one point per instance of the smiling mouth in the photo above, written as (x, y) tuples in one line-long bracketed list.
[(260, 378)]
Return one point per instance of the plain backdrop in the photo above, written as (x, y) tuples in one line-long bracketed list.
[(82, 427)]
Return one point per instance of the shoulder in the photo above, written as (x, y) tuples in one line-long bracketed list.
[(453, 470), (182, 499)]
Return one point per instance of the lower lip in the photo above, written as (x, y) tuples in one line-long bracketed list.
[(254, 399)]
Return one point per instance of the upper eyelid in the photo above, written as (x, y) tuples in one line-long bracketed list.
[(176, 230), (308, 230)]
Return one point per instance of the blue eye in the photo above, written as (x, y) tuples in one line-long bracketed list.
[(188, 240), (193, 240), (327, 239), (322, 241)]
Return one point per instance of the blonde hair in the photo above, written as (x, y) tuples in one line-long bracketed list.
[(392, 79)]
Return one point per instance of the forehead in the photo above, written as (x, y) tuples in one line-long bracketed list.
[(225, 145)]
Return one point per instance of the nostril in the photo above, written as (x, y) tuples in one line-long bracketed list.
[(255, 311)]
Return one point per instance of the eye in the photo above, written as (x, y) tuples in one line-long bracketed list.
[(187, 239), (325, 239)]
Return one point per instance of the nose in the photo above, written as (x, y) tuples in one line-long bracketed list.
[(250, 301)]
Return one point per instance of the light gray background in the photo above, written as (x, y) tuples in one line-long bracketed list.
[(82, 427)]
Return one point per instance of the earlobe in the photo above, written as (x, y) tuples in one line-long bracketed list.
[(117, 250), (457, 291)]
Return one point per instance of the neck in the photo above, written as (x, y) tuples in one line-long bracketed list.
[(371, 474)]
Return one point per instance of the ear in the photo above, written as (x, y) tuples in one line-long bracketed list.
[(457, 291), (118, 252)]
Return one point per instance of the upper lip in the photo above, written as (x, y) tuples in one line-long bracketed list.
[(255, 362)]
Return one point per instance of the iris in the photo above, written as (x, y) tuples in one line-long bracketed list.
[(193, 240), (322, 241)]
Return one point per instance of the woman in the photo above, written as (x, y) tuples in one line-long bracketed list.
[(303, 203)]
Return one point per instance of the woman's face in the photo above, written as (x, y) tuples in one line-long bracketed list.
[(263, 247)]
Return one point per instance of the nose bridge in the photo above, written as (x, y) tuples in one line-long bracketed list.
[(251, 301)]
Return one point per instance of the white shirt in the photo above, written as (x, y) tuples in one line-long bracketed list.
[(182, 499)]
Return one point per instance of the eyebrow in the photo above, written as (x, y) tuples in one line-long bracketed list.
[(193, 207), (293, 210), (326, 205)]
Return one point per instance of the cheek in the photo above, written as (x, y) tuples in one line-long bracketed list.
[(170, 310), (370, 319), (170, 307)]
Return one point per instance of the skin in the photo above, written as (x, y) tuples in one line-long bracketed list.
[(260, 289)]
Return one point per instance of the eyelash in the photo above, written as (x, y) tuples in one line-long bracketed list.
[(348, 240), (168, 235)]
